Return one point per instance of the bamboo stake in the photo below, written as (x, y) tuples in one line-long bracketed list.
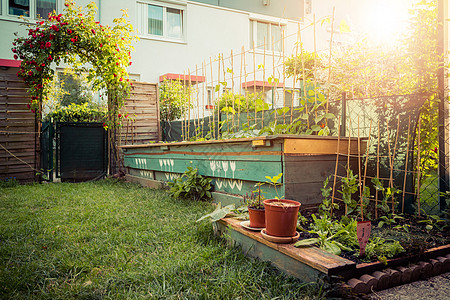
[(232, 87), (246, 96), (275, 85), (378, 171), (359, 173), (303, 75), (240, 89), (367, 156), (189, 106), (204, 90), (336, 166), (406, 165), (284, 77), (197, 98), (391, 181), (418, 169), (295, 73), (184, 104), (254, 80), (348, 159), (213, 134), (329, 62), (393, 157), (224, 88), (218, 99), (315, 68), (264, 81)]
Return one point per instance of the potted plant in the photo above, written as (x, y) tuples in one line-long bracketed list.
[(256, 209), (281, 214)]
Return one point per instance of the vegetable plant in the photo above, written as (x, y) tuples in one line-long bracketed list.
[(191, 185)]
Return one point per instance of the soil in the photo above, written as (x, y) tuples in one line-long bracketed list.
[(415, 241)]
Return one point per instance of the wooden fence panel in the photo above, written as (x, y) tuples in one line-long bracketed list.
[(143, 108), (19, 141)]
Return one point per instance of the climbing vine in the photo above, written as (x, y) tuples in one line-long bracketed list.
[(77, 39)]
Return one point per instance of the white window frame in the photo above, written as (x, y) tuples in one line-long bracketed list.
[(254, 19), (142, 19), (4, 11)]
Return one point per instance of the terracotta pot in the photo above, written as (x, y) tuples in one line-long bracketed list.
[(257, 217), (281, 217)]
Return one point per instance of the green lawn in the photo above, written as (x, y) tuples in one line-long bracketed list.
[(116, 240)]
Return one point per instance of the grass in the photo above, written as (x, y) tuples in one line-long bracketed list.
[(115, 240)]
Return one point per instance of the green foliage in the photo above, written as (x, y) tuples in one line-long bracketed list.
[(382, 249), (77, 113), (77, 39), (256, 198), (75, 90), (327, 206), (191, 185), (9, 182), (232, 103), (389, 220), (349, 186), (273, 181), (434, 222), (305, 65), (219, 213), (173, 99)]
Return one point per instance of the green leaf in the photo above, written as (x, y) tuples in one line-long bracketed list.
[(306, 242), (315, 127), (331, 247), (343, 27), (219, 213)]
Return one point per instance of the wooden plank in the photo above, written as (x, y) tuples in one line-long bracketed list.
[(306, 146), (313, 257)]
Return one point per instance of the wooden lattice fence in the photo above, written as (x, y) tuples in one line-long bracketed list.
[(19, 140)]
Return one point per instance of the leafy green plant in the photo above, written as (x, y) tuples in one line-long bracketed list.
[(274, 182), (191, 185), (327, 206), (173, 99), (434, 222), (382, 249), (327, 233), (77, 113), (256, 197), (389, 220), (9, 182), (349, 186), (388, 194)]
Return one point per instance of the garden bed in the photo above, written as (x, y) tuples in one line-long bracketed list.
[(236, 165), (312, 263)]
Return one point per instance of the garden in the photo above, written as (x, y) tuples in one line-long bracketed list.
[(341, 155)]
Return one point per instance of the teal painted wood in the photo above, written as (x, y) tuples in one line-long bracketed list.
[(228, 161)]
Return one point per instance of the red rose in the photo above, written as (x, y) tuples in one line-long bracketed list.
[(48, 44), (117, 63), (93, 31), (30, 73), (119, 115), (15, 56), (14, 50), (120, 79), (101, 45)]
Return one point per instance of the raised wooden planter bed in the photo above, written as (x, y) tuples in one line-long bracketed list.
[(311, 263), (236, 165)]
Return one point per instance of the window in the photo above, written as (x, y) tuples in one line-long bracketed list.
[(161, 21), (27, 8), (268, 33)]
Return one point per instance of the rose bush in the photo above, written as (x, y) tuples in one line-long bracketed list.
[(77, 39)]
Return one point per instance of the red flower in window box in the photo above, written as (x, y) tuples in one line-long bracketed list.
[(209, 106)]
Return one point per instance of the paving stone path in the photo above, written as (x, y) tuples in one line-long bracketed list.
[(435, 288)]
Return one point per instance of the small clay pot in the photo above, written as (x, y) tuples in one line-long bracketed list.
[(257, 217), (281, 217)]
